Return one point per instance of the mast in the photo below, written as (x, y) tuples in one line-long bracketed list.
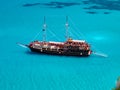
[(44, 30), (67, 35)]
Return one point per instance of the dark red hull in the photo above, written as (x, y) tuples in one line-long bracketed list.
[(80, 53)]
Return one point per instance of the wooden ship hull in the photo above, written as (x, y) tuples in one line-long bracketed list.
[(68, 48), (81, 53)]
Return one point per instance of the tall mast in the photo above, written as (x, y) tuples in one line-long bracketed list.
[(44, 30), (67, 34)]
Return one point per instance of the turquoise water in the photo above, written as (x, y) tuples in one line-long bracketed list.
[(22, 70)]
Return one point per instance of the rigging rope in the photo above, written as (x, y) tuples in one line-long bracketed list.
[(75, 28), (53, 34), (36, 36)]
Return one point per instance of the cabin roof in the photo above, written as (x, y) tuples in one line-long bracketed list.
[(56, 42), (78, 40)]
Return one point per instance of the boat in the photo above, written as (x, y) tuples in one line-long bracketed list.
[(70, 47)]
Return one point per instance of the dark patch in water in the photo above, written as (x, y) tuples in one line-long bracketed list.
[(53, 4), (86, 2), (91, 12), (105, 4), (60, 4), (106, 12), (95, 7), (28, 4), (58, 7)]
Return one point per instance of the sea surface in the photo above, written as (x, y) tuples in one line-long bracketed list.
[(96, 21)]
